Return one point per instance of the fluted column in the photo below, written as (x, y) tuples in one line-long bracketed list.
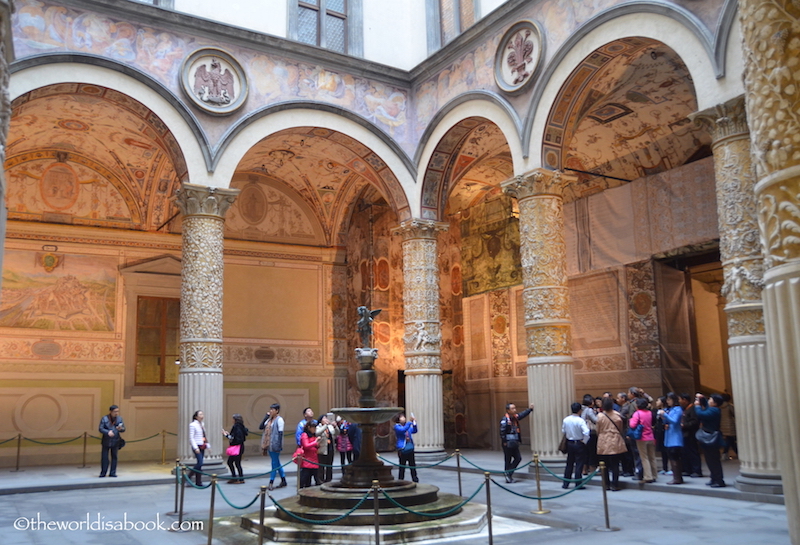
[(423, 336), (6, 56), (743, 264), (200, 376), (771, 48), (551, 386)]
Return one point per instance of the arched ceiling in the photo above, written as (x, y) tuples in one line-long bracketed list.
[(325, 168), (622, 113), (89, 155), (467, 166)]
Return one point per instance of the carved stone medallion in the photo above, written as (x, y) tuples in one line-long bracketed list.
[(214, 81), (518, 56)]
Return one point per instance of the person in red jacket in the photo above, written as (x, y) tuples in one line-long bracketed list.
[(310, 464)]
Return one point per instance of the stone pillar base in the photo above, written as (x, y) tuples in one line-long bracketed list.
[(429, 456), (761, 484)]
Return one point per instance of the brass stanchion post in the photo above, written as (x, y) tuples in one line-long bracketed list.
[(376, 489), (261, 516), (540, 511), (607, 527), (211, 509), (299, 469), (458, 463), (181, 485), (19, 450), (489, 506), (163, 447), (177, 484), (85, 439)]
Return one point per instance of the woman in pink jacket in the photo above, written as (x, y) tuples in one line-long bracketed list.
[(310, 466), (647, 443)]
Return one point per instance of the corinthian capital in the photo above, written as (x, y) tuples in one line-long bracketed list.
[(419, 228), (199, 200), (537, 182), (724, 120)]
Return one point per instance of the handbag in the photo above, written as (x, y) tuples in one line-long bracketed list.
[(120, 443), (233, 450), (562, 446), (708, 438), (636, 433), (297, 455)]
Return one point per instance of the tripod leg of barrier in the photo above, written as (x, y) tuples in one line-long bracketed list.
[(163, 447), (541, 511), (19, 449), (458, 463), (261, 516), (489, 507), (376, 488), (211, 509), (607, 527)]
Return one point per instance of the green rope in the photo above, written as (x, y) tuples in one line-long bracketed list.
[(496, 471), (7, 440), (221, 493), (145, 439), (328, 521), (248, 476), (415, 467), (560, 478), (172, 434), (588, 478), (93, 437), (441, 514), (189, 480), (58, 443)]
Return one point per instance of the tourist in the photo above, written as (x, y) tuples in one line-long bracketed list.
[(403, 432), (627, 461), (727, 426), (236, 439), (673, 436), (708, 414), (327, 434), (577, 433), (646, 445), (111, 426), (689, 426), (610, 442), (590, 417), (510, 438), (354, 432), (272, 442), (343, 444), (628, 411), (309, 467), (658, 432), (199, 443), (308, 416)]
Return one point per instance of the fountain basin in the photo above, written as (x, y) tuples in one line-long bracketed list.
[(368, 415)]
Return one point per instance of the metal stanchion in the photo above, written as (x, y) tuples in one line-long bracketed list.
[(299, 469), (540, 511), (177, 484), (181, 485), (85, 439), (211, 509), (607, 527), (376, 489), (19, 449), (458, 463), (261, 516), (163, 447), (488, 481)]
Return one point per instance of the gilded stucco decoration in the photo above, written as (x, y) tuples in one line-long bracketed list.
[(201, 289), (771, 45)]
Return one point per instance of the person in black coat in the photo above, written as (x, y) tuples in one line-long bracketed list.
[(237, 436), (111, 426)]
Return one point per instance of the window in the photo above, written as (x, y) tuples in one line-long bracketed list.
[(449, 18), (168, 4), (332, 24), (157, 340)]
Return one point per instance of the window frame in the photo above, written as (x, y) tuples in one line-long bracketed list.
[(164, 328), (353, 24)]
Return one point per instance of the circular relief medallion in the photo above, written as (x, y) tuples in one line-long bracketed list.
[(59, 186), (252, 204), (214, 81), (518, 56)]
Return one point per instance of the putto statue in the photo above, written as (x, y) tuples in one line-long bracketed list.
[(365, 318)]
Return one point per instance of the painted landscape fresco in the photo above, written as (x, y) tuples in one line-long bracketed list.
[(58, 292)]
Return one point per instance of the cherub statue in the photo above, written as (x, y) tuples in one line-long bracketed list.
[(365, 318)]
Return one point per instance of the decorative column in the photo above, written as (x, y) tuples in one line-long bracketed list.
[(423, 335), (743, 263), (200, 375), (6, 56), (551, 386), (771, 47)]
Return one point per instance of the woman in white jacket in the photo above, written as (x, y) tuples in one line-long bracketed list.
[(199, 443)]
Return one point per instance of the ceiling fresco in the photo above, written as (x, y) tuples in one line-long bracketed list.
[(623, 114), (89, 155), (325, 168)]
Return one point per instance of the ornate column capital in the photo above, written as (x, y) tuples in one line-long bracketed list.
[(537, 182), (200, 200), (723, 121), (419, 228)]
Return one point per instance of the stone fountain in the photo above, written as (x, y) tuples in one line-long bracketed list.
[(331, 500)]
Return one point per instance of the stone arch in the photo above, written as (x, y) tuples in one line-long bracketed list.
[(440, 155), (672, 26)]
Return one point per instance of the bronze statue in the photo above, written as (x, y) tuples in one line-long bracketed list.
[(365, 317)]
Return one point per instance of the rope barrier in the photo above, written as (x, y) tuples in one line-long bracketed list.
[(57, 443), (416, 467), (189, 480), (433, 515), (290, 462), (221, 493), (559, 477), (494, 471), (46, 443), (145, 439), (584, 481), (328, 521), (7, 440)]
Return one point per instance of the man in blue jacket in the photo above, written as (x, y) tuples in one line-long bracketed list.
[(111, 426), (510, 438)]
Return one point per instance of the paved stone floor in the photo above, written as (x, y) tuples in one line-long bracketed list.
[(144, 493)]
